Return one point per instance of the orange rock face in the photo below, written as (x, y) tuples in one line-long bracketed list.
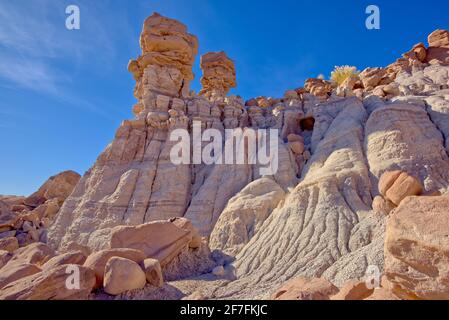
[(306, 289), (49, 285), (416, 247), (353, 290), (59, 186), (218, 73), (439, 38), (318, 87), (165, 42), (438, 50), (165, 66), (397, 185)]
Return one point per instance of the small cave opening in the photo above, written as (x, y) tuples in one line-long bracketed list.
[(307, 124)]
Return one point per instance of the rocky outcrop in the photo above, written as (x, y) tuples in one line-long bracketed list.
[(161, 240), (165, 66), (319, 88), (416, 261), (330, 202), (134, 182), (36, 253), (69, 258), (438, 51), (27, 218), (218, 74), (244, 215), (350, 157), (57, 187), (15, 271), (50, 285)]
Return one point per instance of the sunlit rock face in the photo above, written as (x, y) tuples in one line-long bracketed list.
[(218, 74), (134, 180), (314, 216)]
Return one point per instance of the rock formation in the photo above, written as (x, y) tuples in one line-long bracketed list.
[(218, 74), (28, 218), (133, 181), (362, 180), (416, 260)]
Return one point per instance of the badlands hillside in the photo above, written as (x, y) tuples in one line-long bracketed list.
[(362, 185)]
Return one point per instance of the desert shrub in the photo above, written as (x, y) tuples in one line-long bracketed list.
[(340, 74)]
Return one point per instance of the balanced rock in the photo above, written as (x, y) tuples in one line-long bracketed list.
[(168, 53), (397, 185), (218, 74), (122, 275), (52, 284), (387, 180), (306, 289), (416, 246), (97, 261)]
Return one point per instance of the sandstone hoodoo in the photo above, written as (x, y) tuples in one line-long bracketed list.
[(218, 74), (361, 184)]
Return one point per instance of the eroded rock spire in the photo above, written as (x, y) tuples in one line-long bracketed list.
[(165, 66), (218, 74)]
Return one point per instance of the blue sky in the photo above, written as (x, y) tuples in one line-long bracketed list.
[(64, 93)]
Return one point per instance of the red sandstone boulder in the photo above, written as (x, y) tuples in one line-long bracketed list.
[(306, 289), (416, 248)]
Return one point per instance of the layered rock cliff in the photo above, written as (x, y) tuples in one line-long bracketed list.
[(323, 213)]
